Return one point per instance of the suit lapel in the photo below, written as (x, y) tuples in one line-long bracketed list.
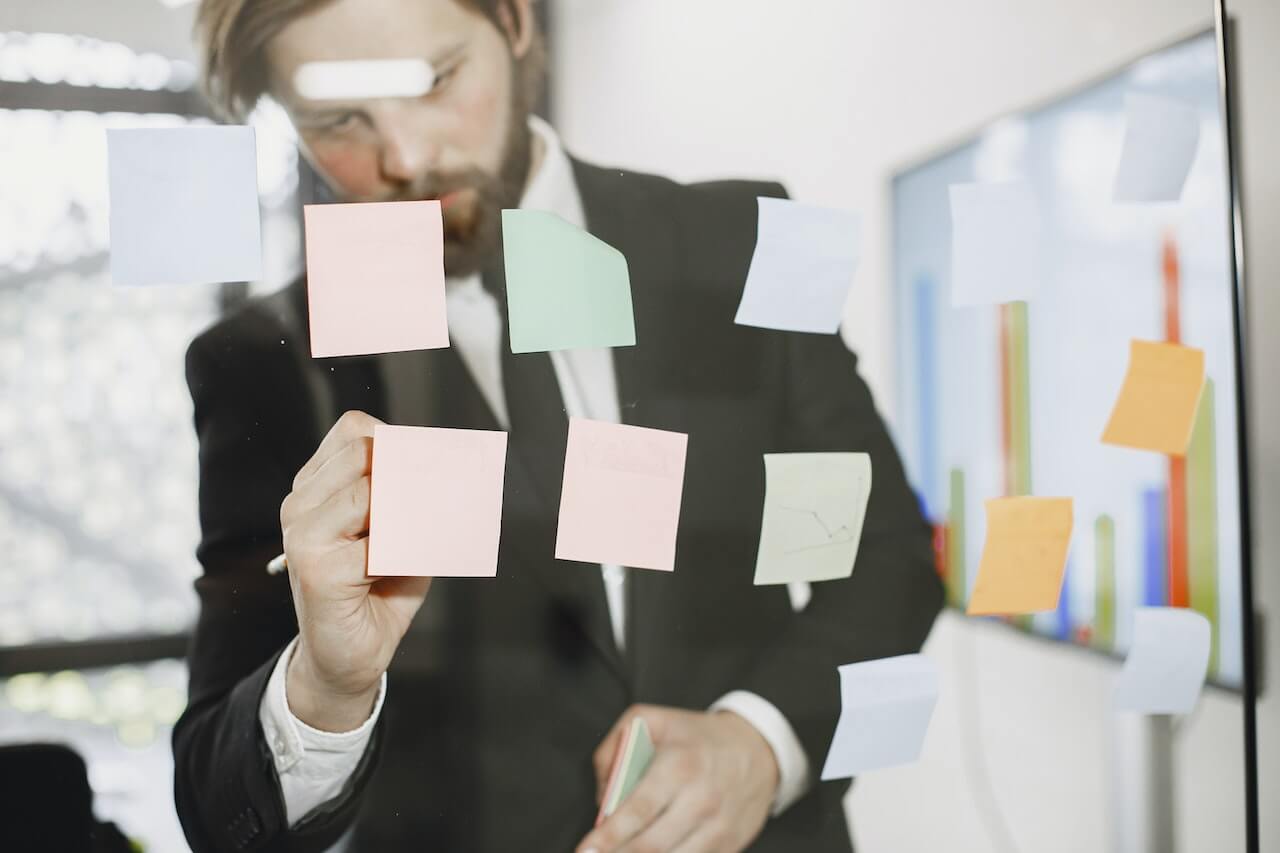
[(636, 225)]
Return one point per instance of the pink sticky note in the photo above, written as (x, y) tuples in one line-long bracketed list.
[(436, 504), (375, 277), (621, 498)]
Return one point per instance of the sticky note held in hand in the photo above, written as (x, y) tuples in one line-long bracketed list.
[(1024, 555), (633, 757)]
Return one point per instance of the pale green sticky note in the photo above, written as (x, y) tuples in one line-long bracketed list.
[(631, 764), (566, 289), (814, 506)]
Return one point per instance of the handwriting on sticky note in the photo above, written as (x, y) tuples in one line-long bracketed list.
[(802, 268), (885, 708), (620, 502), (814, 506), (566, 289), (635, 754), (1161, 136), (435, 506), (1156, 408), (1024, 555), (1167, 661), (375, 277), (183, 205), (995, 243)]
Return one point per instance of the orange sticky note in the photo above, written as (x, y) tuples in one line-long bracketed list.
[(435, 509), (375, 277), (1024, 556), (620, 502), (1156, 409)]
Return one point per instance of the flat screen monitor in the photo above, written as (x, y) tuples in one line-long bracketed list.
[(1012, 399)]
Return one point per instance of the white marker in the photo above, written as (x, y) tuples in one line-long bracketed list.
[(364, 79)]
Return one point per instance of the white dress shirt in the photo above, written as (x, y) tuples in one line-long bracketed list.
[(314, 766)]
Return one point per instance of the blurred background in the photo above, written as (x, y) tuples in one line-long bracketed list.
[(98, 456)]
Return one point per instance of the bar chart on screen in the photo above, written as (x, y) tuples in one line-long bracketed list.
[(1011, 399)]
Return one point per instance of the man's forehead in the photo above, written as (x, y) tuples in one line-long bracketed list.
[(348, 30)]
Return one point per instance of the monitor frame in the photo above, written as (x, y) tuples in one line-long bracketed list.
[(1221, 27)]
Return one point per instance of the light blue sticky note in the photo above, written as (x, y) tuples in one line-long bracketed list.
[(1167, 661), (814, 506), (566, 289), (885, 708), (995, 243), (1161, 136), (184, 205), (802, 268)]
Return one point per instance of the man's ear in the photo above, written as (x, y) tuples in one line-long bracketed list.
[(516, 17)]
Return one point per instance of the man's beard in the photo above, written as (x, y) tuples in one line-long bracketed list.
[(473, 236)]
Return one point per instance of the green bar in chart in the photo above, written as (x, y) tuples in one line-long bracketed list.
[(956, 586), (1019, 426), (1019, 401), (1104, 556), (1202, 519)]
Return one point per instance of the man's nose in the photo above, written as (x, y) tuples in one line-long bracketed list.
[(408, 150)]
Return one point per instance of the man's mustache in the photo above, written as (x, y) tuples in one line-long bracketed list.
[(438, 186)]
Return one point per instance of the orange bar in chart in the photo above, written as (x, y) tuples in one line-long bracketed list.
[(1156, 409), (1024, 556)]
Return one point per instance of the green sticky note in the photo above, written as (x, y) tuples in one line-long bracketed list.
[(629, 765), (814, 506), (566, 289)]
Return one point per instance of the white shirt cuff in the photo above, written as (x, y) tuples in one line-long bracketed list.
[(793, 764), (313, 766)]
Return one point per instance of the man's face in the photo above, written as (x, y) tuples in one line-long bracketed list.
[(466, 142)]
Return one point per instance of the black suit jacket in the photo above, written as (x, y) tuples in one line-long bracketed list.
[(503, 688)]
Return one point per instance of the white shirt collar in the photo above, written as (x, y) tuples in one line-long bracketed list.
[(552, 188)]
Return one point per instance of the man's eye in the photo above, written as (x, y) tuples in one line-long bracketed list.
[(443, 78), (346, 121)]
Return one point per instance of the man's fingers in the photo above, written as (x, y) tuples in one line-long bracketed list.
[(691, 808), (342, 516), (401, 595), (350, 426), (345, 565), (712, 836), (652, 796), (602, 758), (351, 461)]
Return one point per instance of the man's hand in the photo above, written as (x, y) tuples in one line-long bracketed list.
[(709, 788), (349, 625)]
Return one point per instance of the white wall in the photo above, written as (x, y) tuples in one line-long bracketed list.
[(830, 97)]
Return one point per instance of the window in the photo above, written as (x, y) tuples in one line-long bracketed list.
[(98, 522)]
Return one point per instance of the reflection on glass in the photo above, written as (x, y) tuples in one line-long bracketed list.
[(97, 454), (119, 720)]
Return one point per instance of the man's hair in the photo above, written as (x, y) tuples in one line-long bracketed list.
[(232, 35)]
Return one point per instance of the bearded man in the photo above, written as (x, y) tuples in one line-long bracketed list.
[(381, 714)]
